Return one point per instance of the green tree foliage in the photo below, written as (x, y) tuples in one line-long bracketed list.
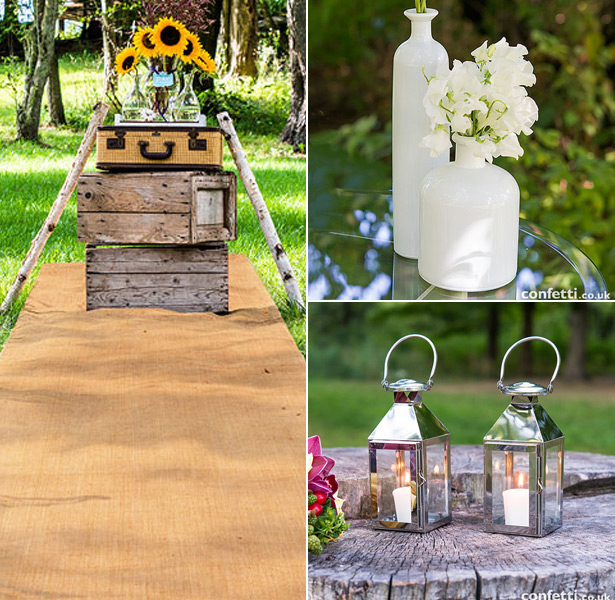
[(567, 175)]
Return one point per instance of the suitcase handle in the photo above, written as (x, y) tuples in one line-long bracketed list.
[(156, 155)]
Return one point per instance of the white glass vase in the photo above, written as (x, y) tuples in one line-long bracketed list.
[(410, 125), (469, 214)]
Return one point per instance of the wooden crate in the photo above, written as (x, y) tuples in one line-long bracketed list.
[(125, 147), (156, 208), (179, 278)]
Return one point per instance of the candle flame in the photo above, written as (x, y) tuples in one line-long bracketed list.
[(436, 470), (407, 478), (496, 465), (521, 481), (547, 469)]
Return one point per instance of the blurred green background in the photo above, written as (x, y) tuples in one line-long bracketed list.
[(567, 175), (348, 343)]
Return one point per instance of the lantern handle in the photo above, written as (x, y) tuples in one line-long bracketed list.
[(529, 339), (429, 384)]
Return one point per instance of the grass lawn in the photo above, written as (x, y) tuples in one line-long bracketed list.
[(344, 413), (32, 175)]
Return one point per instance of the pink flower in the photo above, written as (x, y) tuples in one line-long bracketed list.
[(319, 473)]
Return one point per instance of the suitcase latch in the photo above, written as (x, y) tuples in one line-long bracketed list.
[(195, 143), (118, 142)]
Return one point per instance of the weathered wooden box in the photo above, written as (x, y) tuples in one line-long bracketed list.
[(179, 278), (126, 147), (156, 208)]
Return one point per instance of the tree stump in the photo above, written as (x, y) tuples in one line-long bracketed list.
[(460, 560)]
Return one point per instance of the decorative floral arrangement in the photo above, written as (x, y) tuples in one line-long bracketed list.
[(325, 517), (167, 48), (484, 103)]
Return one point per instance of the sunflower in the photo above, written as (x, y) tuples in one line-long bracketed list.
[(143, 42), (169, 37), (193, 48), (205, 62), (126, 60)]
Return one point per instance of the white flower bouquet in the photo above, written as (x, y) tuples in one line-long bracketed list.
[(483, 103)]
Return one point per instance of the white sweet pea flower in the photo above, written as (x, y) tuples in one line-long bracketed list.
[(438, 142), (484, 102), (509, 146)]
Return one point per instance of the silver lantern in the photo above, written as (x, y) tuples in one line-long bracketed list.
[(409, 458), (524, 461)]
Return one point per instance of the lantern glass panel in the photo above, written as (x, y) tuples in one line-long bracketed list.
[(437, 475), (510, 487), (553, 485), (397, 485)]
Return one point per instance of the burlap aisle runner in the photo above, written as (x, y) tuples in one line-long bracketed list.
[(148, 454)]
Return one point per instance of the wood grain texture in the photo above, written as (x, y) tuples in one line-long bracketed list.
[(175, 278), (460, 561), (161, 208), (227, 182), (134, 192), (133, 228), (182, 259)]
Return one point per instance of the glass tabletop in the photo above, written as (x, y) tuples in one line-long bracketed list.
[(351, 257)]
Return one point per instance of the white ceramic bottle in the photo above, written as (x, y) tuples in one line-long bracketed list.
[(410, 125), (469, 214)]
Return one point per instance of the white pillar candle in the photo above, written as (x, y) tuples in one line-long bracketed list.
[(404, 502), (516, 507)]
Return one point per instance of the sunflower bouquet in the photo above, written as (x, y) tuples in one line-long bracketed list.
[(167, 49)]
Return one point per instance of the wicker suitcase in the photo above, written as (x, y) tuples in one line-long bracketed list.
[(154, 147)]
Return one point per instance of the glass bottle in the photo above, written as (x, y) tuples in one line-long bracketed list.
[(134, 103), (187, 106)]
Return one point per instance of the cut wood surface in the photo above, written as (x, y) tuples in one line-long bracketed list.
[(460, 561), (133, 228), (262, 212), (583, 473), (38, 243), (175, 278)]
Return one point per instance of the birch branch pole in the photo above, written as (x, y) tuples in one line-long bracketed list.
[(85, 149), (264, 218)]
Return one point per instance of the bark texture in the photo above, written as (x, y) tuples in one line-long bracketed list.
[(57, 115), (39, 43), (241, 33), (577, 346), (294, 132)]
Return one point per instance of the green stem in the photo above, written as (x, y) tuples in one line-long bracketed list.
[(421, 6)]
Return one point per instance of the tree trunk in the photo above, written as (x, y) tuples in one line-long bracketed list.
[(294, 132), (493, 331), (527, 348), (54, 94), (39, 46), (209, 41), (577, 346), (109, 48), (243, 38)]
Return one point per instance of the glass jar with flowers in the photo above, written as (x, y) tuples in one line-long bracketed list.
[(166, 49)]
